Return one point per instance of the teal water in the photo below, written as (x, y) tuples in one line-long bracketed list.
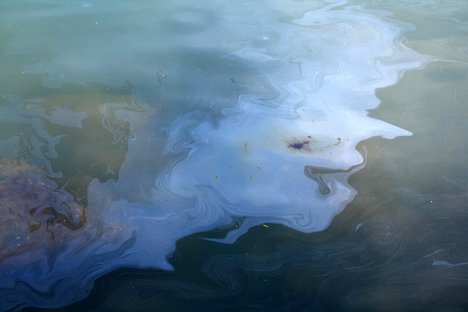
[(283, 155)]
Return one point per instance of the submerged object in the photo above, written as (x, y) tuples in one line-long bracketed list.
[(36, 216)]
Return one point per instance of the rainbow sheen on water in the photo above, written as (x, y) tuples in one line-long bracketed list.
[(183, 118)]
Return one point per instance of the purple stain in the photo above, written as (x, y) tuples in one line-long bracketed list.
[(298, 145)]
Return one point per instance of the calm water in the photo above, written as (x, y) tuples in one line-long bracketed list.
[(256, 155)]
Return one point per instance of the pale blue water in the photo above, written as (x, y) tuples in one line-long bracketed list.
[(281, 155)]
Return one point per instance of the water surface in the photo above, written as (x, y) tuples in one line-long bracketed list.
[(233, 156)]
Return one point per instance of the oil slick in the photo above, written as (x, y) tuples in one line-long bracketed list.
[(252, 160)]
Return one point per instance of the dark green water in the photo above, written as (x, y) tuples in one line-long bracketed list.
[(75, 98)]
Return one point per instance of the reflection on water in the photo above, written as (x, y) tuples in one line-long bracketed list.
[(125, 136)]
